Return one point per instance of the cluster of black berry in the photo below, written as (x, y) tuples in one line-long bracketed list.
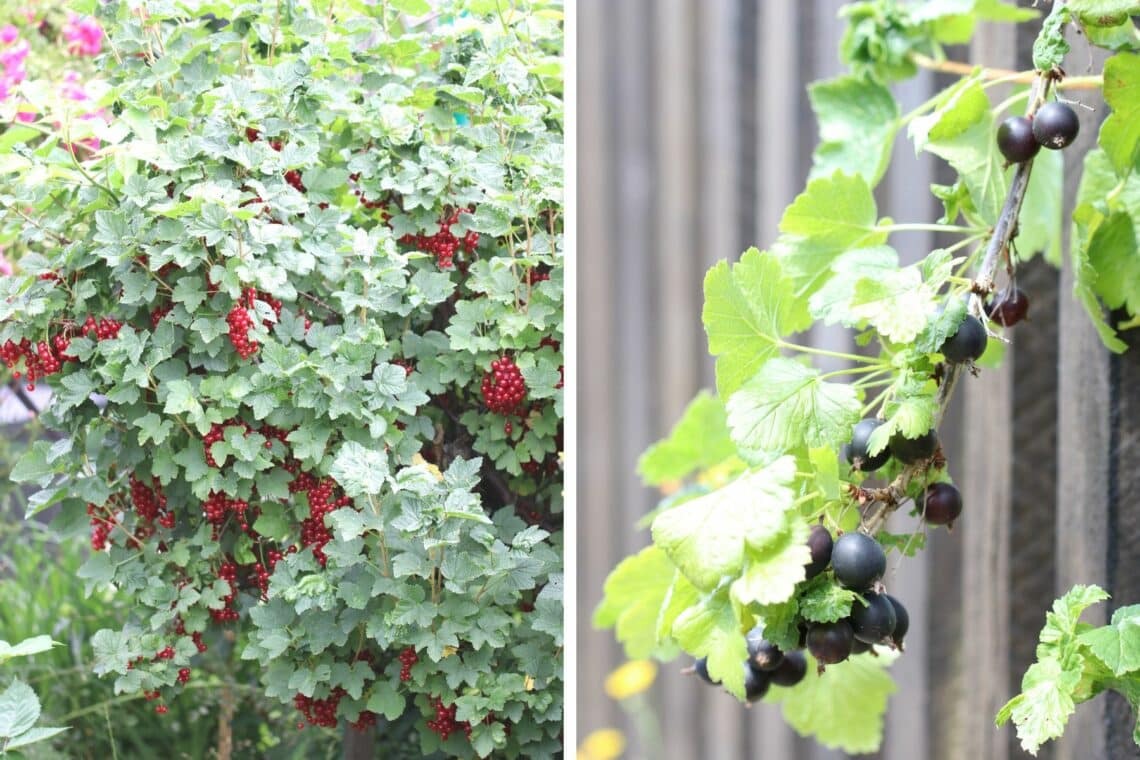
[(1054, 126)]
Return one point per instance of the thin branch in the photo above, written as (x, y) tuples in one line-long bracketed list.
[(1092, 82), (882, 502)]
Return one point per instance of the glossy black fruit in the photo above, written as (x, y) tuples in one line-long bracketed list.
[(830, 643), (940, 504), (902, 621), (968, 344), (1009, 307), (856, 450), (1055, 126), (875, 622), (756, 683), (701, 668), (1016, 141), (791, 670), (858, 561), (911, 450), (762, 654), (819, 543)]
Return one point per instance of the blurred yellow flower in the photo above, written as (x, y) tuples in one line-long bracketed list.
[(605, 744), (631, 678)]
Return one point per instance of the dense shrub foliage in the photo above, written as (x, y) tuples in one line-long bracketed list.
[(299, 299)]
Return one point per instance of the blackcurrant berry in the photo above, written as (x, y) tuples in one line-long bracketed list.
[(856, 451), (940, 504), (756, 683), (875, 622), (1009, 307), (1016, 141), (762, 654), (701, 668), (902, 621), (830, 643), (1056, 126), (912, 450), (819, 543), (858, 561), (791, 671), (968, 344)]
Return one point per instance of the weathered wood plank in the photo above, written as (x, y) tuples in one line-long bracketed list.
[(1083, 412)]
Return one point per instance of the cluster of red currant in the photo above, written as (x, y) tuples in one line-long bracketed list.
[(320, 712), (443, 244), (228, 573), (444, 723), (408, 658), (46, 357), (313, 530), (503, 388)]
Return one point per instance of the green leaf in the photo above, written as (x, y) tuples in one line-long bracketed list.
[(1120, 132), (710, 629), (699, 440), (1117, 645), (832, 301), (25, 648), (706, 537), (786, 406), (34, 735), (634, 594), (771, 572), (19, 710), (1044, 705), (1039, 224), (897, 304), (842, 708), (1104, 12), (360, 471), (748, 309), (824, 601), (831, 216), (961, 131), (1051, 47), (857, 118)]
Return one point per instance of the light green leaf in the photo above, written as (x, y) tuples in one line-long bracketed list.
[(386, 700), (25, 648), (34, 735), (832, 301), (706, 537), (1044, 705), (786, 406), (710, 629), (1120, 132), (699, 440), (824, 601), (1039, 224), (19, 709), (771, 572), (634, 594), (961, 130), (843, 707), (857, 118), (748, 309), (1117, 645), (897, 304)]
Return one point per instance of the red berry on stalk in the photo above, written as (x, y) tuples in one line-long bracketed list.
[(1009, 307)]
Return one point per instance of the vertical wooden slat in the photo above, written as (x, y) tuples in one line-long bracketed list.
[(598, 549), (725, 723), (1083, 414)]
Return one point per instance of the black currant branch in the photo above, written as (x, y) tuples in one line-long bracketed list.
[(884, 501)]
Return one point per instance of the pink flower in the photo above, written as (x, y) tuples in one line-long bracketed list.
[(9, 34), (13, 57), (27, 117), (71, 87), (83, 34)]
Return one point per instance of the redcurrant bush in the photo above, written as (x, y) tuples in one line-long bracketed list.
[(301, 314)]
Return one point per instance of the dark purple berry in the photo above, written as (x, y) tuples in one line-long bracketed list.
[(857, 452), (756, 683), (859, 647), (762, 654), (791, 671), (701, 668), (902, 621), (1016, 141), (874, 622), (858, 561), (913, 450), (1055, 125), (940, 504), (968, 344), (1009, 307), (830, 643), (819, 543)]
